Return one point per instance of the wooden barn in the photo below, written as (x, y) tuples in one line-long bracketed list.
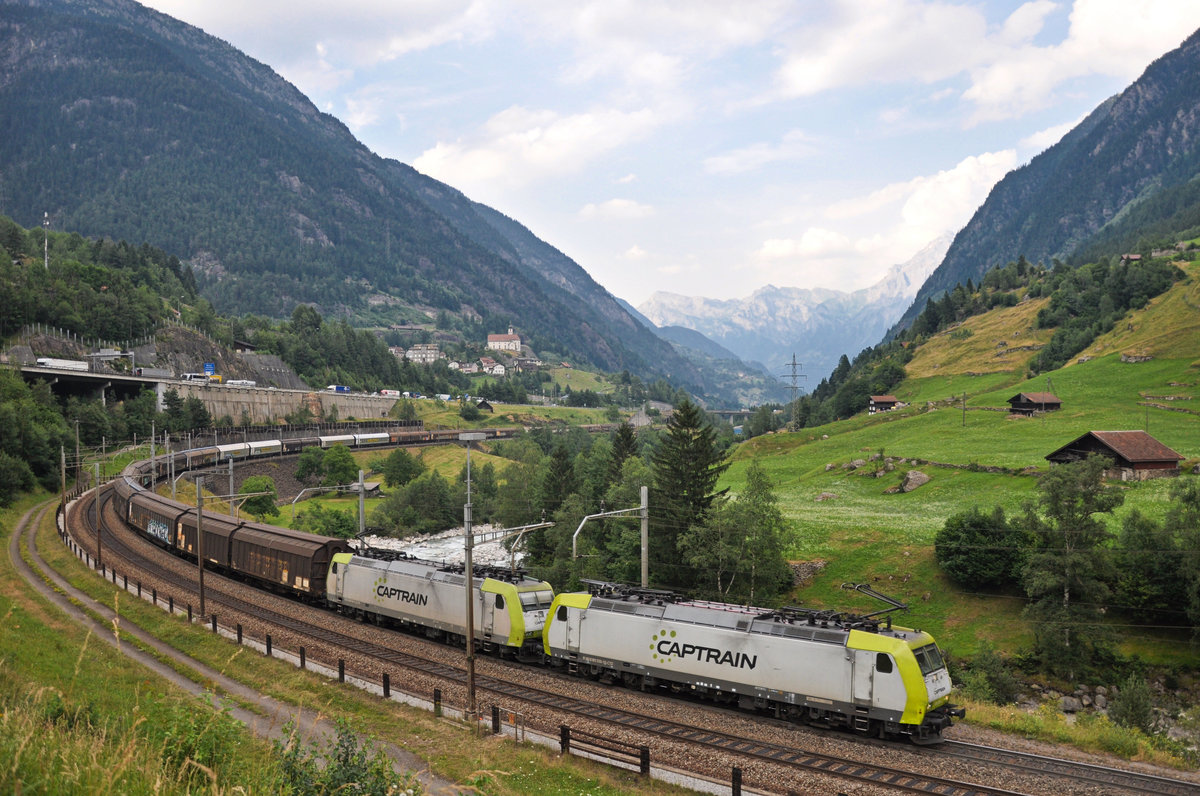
[(882, 403), (1026, 403), (1135, 455)]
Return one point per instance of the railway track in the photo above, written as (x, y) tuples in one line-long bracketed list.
[(752, 751), (1112, 780)]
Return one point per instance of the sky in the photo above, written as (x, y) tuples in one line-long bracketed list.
[(707, 147)]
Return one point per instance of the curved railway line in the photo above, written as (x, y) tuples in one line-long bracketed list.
[(770, 765)]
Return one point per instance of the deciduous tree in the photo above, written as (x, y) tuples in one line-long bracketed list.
[(260, 506), (400, 467), (340, 467), (1066, 572), (978, 549)]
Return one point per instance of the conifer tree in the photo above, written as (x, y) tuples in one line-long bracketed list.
[(686, 467), (624, 445)]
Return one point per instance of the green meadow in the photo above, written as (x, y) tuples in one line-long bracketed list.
[(843, 516)]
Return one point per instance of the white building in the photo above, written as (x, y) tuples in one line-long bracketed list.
[(424, 353), (504, 342)]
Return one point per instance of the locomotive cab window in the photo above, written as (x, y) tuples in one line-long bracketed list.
[(883, 663), (333, 569), (929, 658), (562, 613), (499, 600), (533, 600)]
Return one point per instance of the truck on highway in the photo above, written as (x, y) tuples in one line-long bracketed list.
[(62, 364)]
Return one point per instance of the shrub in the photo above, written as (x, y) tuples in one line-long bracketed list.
[(1133, 706), (988, 678), (978, 549), (342, 767)]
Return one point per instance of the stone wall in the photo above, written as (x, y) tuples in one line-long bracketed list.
[(265, 405)]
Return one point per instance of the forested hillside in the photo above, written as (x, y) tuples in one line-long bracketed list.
[(1122, 181), (1075, 307), (123, 123)]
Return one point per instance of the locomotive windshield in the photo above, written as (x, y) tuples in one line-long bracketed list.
[(929, 658), (533, 600)]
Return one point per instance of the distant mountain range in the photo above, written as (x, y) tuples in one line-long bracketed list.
[(1122, 180), (816, 326)]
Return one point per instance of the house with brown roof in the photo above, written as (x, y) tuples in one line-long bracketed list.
[(1134, 455), (504, 342), (882, 403), (1026, 403)]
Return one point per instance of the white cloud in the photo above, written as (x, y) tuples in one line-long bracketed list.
[(622, 209), (863, 235), (518, 146), (628, 178), (1044, 139), (793, 146), (1116, 38), (871, 42), (652, 43), (944, 202), (634, 252), (815, 242), (867, 41)]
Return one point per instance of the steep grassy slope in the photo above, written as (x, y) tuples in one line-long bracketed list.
[(981, 456)]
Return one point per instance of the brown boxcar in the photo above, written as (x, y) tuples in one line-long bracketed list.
[(217, 530), (155, 516), (291, 560)]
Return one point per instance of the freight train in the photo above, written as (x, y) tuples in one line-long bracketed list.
[(820, 667), (390, 589), (193, 458)]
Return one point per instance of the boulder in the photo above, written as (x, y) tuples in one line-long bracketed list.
[(1070, 704), (912, 480)]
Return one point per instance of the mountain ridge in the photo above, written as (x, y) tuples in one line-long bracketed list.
[(123, 122), (1136, 144), (818, 325)]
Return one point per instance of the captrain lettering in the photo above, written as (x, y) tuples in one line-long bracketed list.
[(403, 595), (738, 660)]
